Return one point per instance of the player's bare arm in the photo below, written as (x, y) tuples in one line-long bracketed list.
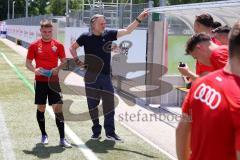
[(30, 67), (183, 138), (185, 71), (238, 155)]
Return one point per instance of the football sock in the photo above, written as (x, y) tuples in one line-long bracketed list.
[(41, 122)]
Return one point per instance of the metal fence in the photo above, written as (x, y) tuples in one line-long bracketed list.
[(31, 21), (121, 15), (117, 15)]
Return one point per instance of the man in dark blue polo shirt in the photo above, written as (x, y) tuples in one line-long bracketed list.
[(98, 82)]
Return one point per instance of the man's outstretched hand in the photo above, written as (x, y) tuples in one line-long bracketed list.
[(143, 15)]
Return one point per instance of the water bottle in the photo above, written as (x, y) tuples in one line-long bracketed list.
[(186, 79)]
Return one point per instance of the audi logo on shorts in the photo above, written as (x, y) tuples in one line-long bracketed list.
[(208, 95)]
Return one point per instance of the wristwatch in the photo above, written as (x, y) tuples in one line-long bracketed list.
[(138, 20)]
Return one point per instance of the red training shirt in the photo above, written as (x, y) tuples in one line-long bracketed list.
[(46, 55), (219, 57), (214, 106)]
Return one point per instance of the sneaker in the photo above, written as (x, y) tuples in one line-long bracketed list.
[(44, 139), (96, 137), (114, 137), (64, 143)]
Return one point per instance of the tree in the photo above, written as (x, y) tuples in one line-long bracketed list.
[(41, 5), (57, 7), (19, 8), (76, 4), (3, 10), (33, 8)]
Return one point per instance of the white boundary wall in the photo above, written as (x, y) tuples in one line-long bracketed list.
[(25, 33), (137, 53)]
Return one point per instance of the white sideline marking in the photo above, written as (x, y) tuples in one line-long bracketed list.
[(6, 144), (143, 137), (88, 153), (148, 141)]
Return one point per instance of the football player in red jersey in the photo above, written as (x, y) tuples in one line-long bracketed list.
[(46, 52), (201, 48), (210, 125), (221, 33), (203, 23)]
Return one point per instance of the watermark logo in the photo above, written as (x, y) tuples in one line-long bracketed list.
[(142, 116), (93, 79)]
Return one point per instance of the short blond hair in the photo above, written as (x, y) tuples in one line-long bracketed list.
[(46, 23)]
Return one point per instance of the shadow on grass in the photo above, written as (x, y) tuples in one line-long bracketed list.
[(106, 146), (43, 151)]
